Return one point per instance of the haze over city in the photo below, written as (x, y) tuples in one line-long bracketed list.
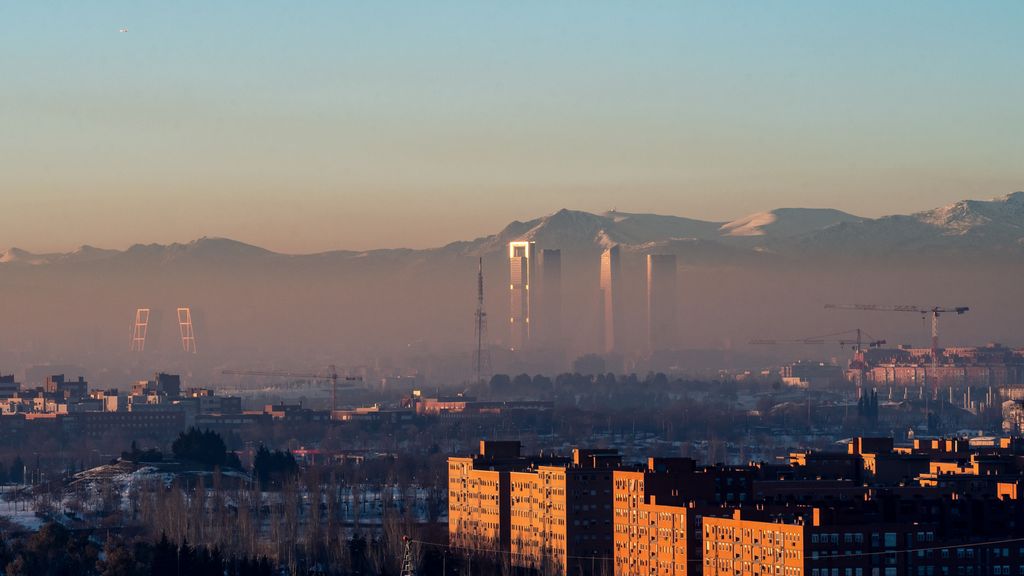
[(580, 288)]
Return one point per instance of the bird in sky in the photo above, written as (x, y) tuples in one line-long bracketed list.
[(125, 29)]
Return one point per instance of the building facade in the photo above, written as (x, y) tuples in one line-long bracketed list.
[(611, 300), (550, 297), (561, 515), (661, 302), (521, 259)]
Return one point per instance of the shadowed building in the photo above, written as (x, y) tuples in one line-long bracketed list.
[(521, 272), (550, 314), (661, 302), (611, 300)]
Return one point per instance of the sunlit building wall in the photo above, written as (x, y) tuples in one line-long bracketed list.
[(521, 274)]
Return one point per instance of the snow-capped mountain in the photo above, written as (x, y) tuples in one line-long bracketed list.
[(574, 230), (18, 256), (786, 222), (993, 225), (998, 217)]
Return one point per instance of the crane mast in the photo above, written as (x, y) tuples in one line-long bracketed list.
[(857, 341), (332, 375), (933, 311)]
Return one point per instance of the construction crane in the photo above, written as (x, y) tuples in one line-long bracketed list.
[(857, 342), (934, 311), (332, 375)]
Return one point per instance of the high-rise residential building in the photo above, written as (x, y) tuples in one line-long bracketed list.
[(661, 302), (560, 515), (823, 514), (550, 297), (521, 274), (658, 510), (480, 514), (611, 299), (652, 523), (478, 496)]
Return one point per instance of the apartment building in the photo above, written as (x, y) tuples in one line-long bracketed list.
[(823, 514), (561, 514)]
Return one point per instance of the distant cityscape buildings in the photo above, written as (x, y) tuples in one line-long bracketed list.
[(661, 301), (536, 301), (521, 272), (611, 300), (551, 296)]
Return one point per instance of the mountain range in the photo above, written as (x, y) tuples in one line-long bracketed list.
[(992, 226)]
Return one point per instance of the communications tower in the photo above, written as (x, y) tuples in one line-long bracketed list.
[(482, 358)]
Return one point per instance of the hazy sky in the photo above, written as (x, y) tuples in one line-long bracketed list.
[(305, 126)]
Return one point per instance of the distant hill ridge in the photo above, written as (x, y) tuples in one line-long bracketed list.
[(979, 225)]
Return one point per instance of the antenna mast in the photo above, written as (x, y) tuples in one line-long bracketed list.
[(482, 360)]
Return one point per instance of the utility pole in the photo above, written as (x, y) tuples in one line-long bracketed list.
[(408, 569)]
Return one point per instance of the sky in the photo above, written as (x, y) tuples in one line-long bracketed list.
[(307, 126)]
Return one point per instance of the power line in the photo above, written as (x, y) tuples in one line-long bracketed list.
[(923, 549), (496, 551), (694, 560)]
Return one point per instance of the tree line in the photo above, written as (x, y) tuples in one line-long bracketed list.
[(56, 551)]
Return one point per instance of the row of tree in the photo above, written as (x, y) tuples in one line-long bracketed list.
[(13, 473), (56, 551)]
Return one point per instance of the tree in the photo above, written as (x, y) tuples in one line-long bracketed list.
[(521, 383), (53, 551), (136, 455), (542, 384), (273, 468), (204, 447), (17, 474), (500, 383), (119, 561), (165, 558)]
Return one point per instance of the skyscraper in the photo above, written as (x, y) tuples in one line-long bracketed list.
[(550, 314), (611, 299), (661, 301), (521, 273)]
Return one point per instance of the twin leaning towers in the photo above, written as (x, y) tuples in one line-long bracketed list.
[(141, 327)]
